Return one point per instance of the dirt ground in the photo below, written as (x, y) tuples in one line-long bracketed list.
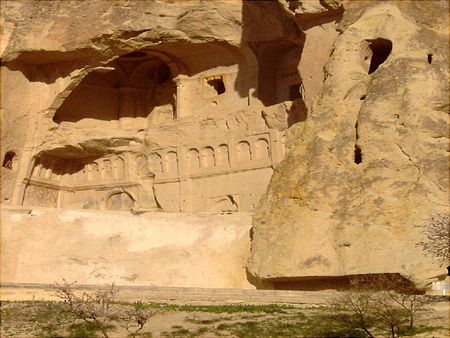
[(43, 319)]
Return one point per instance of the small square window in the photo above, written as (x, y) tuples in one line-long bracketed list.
[(214, 86)]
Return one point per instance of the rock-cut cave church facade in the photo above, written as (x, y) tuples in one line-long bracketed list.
[(177, 127)]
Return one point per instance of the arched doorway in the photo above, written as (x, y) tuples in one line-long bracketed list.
[(120, 200)]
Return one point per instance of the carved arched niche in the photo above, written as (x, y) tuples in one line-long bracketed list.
[(244, 153), (120, 200), (123, 94), (262, 149)]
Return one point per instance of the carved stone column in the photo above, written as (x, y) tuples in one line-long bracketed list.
[(184, 96)]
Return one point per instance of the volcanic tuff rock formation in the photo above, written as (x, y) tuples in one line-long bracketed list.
[(189, 106), (147, 106), (144, 104), (371, 162)]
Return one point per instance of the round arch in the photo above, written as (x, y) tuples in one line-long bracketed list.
[(125, 200)]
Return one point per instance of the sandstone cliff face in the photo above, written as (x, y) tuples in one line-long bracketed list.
[(186, 105), (150, 106), (371, 162)]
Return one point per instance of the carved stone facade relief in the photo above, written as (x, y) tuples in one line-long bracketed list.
[(90, 183), (200, 140)]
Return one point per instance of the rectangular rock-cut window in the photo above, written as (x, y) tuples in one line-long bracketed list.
[(8, 160)]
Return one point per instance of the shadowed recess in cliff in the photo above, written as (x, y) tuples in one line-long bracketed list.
[(277, 51), (142, 82), (341, 283), (48, 66)]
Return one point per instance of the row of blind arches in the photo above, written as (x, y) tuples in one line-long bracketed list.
[(211, 156), (114, 168)]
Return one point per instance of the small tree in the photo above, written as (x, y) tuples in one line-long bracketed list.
[(385, 302), (99, 310), (93, 309), (134, 320), (353, 309), (437, 231)]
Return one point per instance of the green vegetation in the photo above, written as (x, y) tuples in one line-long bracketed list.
[(208, 321), (229, 309), (380, 303), (74, 318)]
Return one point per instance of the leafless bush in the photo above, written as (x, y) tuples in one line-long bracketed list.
[(385, 302), (354, 309), (437, 231), (93, 309), (98, 309), (134, 320)]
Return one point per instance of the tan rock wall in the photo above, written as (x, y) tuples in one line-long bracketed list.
[(148, 249)]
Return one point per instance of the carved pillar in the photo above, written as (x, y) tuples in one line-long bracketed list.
[(184, 96), (232, 144), (276, 146), (185, 185), (37, 167)]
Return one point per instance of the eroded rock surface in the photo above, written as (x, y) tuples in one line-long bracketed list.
[(169, 249), (371, 162)]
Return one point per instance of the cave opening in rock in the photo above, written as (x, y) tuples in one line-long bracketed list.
[(381, 49), (134, 86), (8, 160), (218, 85), (430, 58), (137, 96), (279, 78)]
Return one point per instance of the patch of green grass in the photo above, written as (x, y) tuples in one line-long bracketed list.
[(207, 321), (417, 330), (267, 328), (42, 319), (182, 332), (237, 308), (251, 316), (323, 326), (300, 326), (85, 330)]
